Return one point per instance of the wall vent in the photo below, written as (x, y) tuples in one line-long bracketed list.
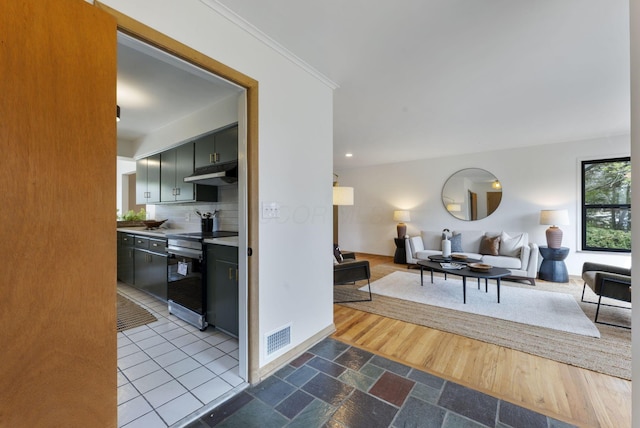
[(278, 339)]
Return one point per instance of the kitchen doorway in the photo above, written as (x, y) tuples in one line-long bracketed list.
[(248, 187)]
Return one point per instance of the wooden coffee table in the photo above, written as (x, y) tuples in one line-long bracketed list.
[(493, 273)]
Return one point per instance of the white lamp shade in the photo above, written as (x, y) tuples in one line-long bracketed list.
[(342, 195), (554, 217), (401, 216)]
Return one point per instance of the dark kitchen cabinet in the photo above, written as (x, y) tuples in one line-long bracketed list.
[(148, 180), (125, 257), (222, 288), (150, 262), (175, 165), (217, 147)]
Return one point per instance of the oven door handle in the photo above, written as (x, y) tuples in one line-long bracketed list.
[(184, 252)]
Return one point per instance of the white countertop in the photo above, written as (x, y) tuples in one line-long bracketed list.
[(154, 233), (231, 241)]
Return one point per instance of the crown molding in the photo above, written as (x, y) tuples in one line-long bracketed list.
[(236, 19)]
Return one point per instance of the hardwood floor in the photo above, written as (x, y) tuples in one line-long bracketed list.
[(578, 396)]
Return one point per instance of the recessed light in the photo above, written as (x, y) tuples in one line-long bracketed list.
[(349, 155)]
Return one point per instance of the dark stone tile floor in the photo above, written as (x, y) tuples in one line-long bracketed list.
[(334, 385)]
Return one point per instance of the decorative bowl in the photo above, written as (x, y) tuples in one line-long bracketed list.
[(152, 224), (459, 257), (479, 267)]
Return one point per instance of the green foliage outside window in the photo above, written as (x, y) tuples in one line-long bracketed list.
[(607, 204)]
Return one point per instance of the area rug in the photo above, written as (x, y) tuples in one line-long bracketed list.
[(131, 315), (610, 354), (558, 311)]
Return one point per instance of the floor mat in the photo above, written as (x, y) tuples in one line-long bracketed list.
[(130, 315)]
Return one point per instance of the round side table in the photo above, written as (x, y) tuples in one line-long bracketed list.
[(552, 267), (400, 256)]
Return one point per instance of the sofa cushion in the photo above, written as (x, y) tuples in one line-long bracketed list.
[(337, 254), (511, 246), (470, 240), (431, 240), (456, 243), (424, 254), (415, 242), (490, 245), (502, 261)]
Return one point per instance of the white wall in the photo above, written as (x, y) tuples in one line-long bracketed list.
[(123, 166), (295, 162), (215, 116), (533, 178)]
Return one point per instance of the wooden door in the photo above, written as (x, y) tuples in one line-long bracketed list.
[(57, 224), (493, 201), (473, 205)]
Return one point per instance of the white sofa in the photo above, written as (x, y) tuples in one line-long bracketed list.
[(515, 253)]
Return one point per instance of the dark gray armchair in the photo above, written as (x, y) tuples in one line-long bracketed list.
[(607, 281), (348, 270)]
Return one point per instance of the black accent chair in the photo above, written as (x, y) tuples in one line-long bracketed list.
[(348, 270), (607, 281)]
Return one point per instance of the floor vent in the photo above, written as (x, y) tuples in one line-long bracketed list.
[(278, 339)]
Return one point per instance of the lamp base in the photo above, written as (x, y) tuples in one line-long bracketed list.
[(402, 230), (554, 237)]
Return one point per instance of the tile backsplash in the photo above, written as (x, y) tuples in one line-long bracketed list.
[(176, 214)]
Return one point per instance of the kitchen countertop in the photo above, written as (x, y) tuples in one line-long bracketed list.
[(231, 241), (154, 233)]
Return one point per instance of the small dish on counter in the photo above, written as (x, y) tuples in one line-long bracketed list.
[(152, 224), (479, 267)]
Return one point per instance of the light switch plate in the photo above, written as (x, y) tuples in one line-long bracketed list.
[(270, 210)]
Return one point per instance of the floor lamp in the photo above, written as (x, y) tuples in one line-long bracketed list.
[(341, 196)]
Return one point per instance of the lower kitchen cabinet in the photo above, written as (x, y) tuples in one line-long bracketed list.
[(222, 288), (125, 257), (151, 273), (142, 263), (151, 266)]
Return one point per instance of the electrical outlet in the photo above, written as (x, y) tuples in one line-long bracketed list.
[(270, 210), (187, 217)]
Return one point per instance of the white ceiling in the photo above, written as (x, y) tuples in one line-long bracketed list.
[(155, 89), (429, 78)]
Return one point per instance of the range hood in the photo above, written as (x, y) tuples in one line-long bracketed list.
[(221, 174)]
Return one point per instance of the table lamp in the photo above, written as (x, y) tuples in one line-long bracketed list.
[(401, 216), (553, 218)]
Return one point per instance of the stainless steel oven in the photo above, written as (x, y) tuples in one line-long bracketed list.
[(187, 276)]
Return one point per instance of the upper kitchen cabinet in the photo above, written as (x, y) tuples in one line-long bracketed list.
[(176, 164), (217, 147), (148, 180)]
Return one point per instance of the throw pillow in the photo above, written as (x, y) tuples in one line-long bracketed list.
[(337, 254), (511, 246), (490, 245), (456, 243)]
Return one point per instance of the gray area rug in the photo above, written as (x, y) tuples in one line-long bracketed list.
[(558, 311), (610, 354)]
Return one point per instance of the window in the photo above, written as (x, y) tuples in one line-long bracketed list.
[(606, 205)]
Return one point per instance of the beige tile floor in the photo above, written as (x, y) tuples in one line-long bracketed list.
[(169, 371)]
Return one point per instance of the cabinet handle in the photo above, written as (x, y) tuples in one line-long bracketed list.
[(231, 274), (177, 191), (214, 157)]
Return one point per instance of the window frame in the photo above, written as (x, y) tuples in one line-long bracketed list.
[(584, 205)]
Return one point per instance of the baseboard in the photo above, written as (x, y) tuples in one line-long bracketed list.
[(275, 365)]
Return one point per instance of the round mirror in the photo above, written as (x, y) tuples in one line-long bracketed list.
[(471, 194)]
